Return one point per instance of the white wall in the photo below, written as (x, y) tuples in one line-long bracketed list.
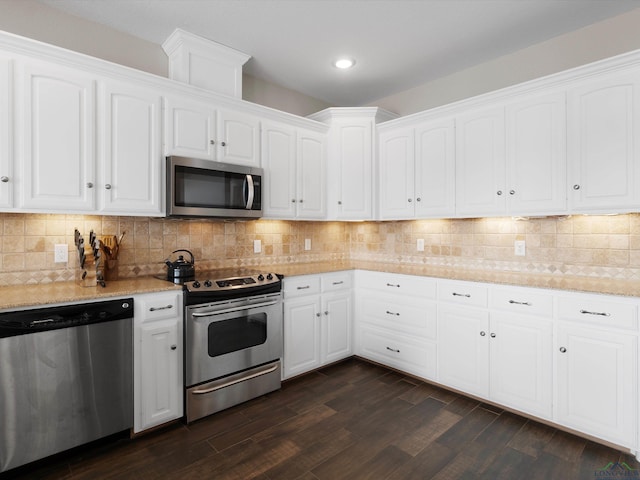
[(601, 40)]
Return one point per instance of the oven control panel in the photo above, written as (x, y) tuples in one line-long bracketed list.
[(232, 283)]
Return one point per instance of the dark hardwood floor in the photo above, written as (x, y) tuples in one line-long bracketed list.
[(351, 421)]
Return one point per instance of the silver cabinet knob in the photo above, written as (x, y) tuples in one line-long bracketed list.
[(293, 200), (512, 192), (493, 335), (576, 187), (4, 179), (418, 199), (563, 350), (108, 186), (89, 185), (483, 333), (410, 200), (499, 192), (224, 144), (326, 312), (318, 314), (300, 201), (339, 202), (212, 142), (173, 347)]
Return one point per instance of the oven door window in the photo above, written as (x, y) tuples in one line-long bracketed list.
[(235, 334)]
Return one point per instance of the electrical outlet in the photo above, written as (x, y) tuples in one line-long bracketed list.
[(519, 248), (420, 244), (257, 246), (307, 244), (60, 253)]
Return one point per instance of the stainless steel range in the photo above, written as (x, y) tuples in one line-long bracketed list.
[(233, 340)]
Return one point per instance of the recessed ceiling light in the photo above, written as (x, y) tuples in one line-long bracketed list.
[(344, 63)]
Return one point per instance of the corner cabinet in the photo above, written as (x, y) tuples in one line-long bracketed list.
[(318, 314), (157, 359), (294, 160)]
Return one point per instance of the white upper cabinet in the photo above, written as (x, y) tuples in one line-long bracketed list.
[(55, 137), (279, 162), (130, 160), (536, 156), (7, 178), (603, 143), (435, 169), (350, 169), (239, 138), (294, 161), (480, 163), (397, 164), (197, 128), (190, 128)]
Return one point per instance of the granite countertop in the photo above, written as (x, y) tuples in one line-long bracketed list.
[(21, 296)]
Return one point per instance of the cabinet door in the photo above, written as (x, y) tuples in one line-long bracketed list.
[(279, 162), (597, 383), (350, 183), (536, 153), (131, 159), (521, 363), (397, 158), (603, 138), (238, 139), (337, 319), (311, 175), (162, 389), (190, 129), (480, 163), (7, 178), (463, 349), (57, 137), (435, 169), (301, 335)]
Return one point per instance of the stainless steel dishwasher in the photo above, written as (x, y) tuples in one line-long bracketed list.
[(66, 378)]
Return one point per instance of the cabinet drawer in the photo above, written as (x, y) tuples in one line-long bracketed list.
[(463, 293), (422, 287), (159, 306), (523, 301), (338, 281), (600, 311), (404, 353), (401, 314), (302, 285)]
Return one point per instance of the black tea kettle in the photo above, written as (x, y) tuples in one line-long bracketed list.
[(181, 268)]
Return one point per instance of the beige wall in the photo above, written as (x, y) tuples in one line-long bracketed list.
[(40, 22), (588, 246), (601, 40)]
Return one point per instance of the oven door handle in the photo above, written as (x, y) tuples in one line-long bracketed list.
[(211, 313), (233, 382)]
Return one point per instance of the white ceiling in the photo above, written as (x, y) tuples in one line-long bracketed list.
[(397, 44)]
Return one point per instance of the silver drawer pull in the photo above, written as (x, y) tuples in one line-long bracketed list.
[(338, 283), (155, 309), (393, 350), (304, 288), (466, 295), (602, 314), (393, 313), (393, 285), (234, 382), (513, 302)]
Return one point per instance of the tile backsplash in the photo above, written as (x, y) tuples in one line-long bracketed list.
[(593, 246)]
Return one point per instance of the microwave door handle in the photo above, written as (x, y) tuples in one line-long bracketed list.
[(249, 183)]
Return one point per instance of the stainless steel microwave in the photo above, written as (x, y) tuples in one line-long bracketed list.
[(202, 188)]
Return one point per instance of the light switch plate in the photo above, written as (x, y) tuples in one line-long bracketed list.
[(257, 246), (420, 244), (60, 253), (519, 248), (307, 244)]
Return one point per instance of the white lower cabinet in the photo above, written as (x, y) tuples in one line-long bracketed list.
[(158, 359), (318, 314)]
